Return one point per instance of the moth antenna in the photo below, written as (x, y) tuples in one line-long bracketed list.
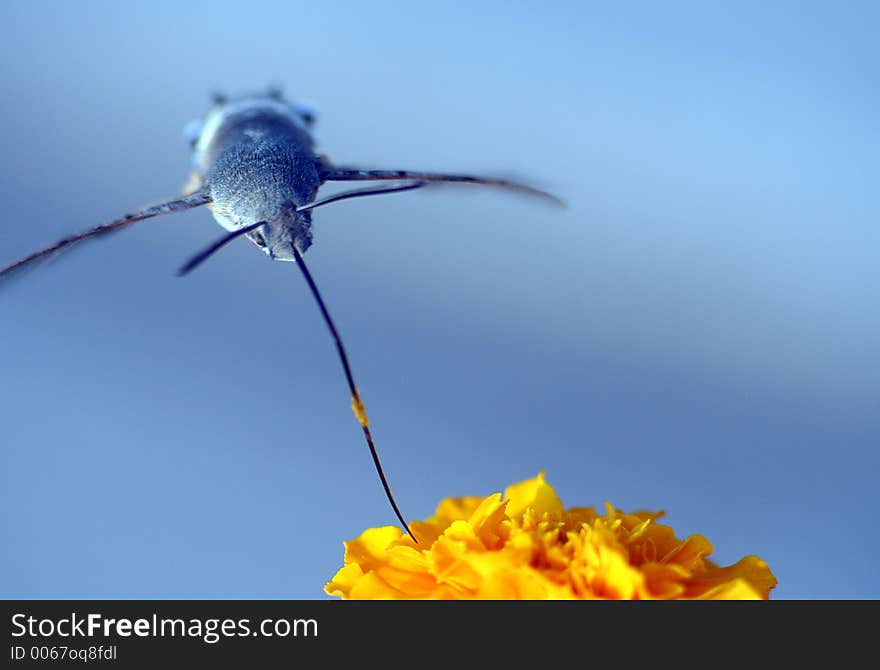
[(330, 173), (205, 253), (168, 207), (358, 193), (357, 404)]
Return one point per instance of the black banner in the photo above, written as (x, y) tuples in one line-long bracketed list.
[(124, 634)]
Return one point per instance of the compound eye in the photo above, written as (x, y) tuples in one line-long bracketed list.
[(307, 113), (192, 131)]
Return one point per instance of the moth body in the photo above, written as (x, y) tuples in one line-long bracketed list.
[(256, 168), (257, 159)]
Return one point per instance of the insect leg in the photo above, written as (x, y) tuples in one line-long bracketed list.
[(359, 193), (330, 173), (168, 207), (203, 255)]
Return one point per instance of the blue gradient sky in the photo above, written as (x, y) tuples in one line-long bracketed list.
[(699, 331)]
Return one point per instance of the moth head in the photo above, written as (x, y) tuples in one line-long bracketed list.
[(277, 237)]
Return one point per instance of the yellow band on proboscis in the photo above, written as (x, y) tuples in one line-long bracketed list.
[(359, 411)]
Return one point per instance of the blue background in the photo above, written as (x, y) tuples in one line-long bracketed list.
[(698, 331)]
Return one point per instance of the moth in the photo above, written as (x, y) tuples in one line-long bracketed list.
[(257, 168)]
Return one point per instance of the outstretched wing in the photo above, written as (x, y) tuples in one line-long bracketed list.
[(168, 207)]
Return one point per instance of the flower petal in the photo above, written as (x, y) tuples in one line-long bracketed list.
[(532, 493), (527, 546)]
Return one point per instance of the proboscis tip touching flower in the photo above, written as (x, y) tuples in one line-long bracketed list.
[(527, 546)]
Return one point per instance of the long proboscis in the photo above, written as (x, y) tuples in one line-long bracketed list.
[(167, 207), (357, 404), (356, 174)]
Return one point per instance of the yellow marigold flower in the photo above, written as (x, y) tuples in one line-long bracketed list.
[(527, 546)]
